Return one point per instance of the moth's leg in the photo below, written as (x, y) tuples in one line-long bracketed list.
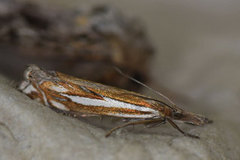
[(184, 133), (100, 117), (155, 124), (89, 115), (133, 123)]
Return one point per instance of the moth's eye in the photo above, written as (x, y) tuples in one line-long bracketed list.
[(178, 115), (28, 74)]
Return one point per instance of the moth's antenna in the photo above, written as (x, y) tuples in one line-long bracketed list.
[(144, 85)]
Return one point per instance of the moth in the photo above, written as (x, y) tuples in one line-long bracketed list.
[(80, 98)]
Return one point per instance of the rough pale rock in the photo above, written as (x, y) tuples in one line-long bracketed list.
[(29, 130)]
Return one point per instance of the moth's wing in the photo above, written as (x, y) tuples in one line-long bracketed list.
[(73, 113), (121, 94), (115, 93), (109, 91)]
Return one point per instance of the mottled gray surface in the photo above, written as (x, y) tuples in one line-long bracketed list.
[(29, 130)]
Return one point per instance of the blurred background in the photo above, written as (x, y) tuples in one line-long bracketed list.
[(190, 51)]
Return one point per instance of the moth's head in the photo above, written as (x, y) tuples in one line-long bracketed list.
[(28, 85), (30, 72), (35, 74)]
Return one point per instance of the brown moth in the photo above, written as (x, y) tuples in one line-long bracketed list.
[(79, 98)]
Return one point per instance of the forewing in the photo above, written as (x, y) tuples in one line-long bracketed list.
[(109, 91)]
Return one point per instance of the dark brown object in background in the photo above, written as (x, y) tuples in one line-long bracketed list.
[(85, 43)]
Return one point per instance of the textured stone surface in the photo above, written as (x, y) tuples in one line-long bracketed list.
[(29, 130)]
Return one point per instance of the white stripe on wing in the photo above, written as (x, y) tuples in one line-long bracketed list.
[(108, 102)]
